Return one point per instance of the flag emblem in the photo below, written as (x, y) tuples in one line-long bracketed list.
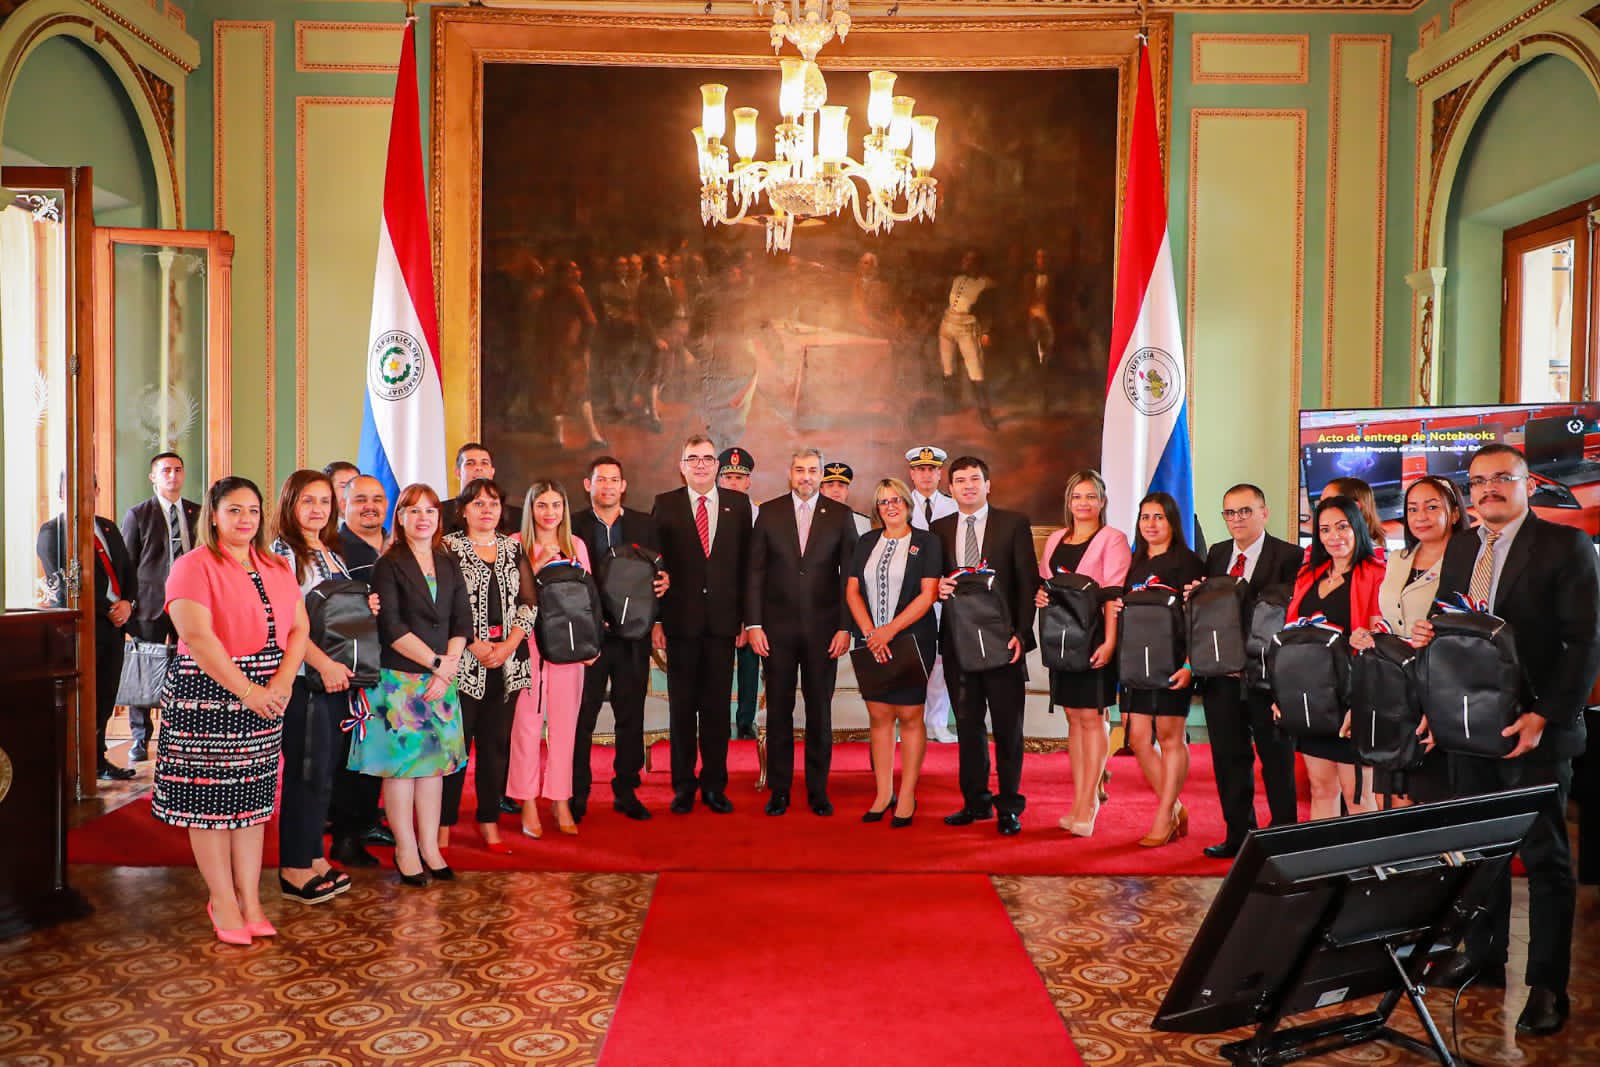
[(1153, 381), (397, 365)]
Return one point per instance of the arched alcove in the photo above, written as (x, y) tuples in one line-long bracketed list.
[(62, 77), (1531, 151)]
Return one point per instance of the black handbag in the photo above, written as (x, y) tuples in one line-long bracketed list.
[(1151, 637), (567, 626), (1385, 709), (979, 625), (1269, 613), (903, 669), (345, 629), (1309, 668), (1217, 627), (1471, 682), (1071, 624), (144, 673), (628, 590)]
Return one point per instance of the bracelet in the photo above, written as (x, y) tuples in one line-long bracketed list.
[(251, 688)]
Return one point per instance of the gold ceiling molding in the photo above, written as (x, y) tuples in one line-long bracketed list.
[(977, 8)]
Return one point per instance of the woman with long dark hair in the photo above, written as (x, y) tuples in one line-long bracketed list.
[(242, 632), (1340, 581), (413, 737), (1155, 718)]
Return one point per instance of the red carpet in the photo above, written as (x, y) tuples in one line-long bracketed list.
[(832, 969), (750, 841)]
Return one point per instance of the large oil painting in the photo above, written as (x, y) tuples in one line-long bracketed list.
[(613, 321)]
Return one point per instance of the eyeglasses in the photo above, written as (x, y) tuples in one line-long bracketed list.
[(699, 461), (1500, 480), (1230, 514), (891, 502)]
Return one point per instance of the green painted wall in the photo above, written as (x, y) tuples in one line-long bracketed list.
[(1521, 161), (63, 77)]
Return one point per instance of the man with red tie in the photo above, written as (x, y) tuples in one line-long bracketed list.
[(1236, 715), (704, 539)]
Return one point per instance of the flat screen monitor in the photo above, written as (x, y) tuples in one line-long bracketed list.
[(1301, 920), (1389, 448)]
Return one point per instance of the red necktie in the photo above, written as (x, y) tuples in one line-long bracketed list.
[(112, 584), (702, 522), (1237, 570)]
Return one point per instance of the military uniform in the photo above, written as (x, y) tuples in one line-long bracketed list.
[(747, 665), (924, 510)]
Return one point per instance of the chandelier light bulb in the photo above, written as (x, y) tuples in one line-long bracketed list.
[(900, 123), (833, 138), (922, 145), (713, 118), (880, 104), (700, 150), (744, 132), (792, 91)]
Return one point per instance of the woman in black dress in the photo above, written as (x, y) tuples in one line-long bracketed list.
[(1156, 718), (893, 583)]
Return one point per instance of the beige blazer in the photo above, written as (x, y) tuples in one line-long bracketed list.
[(1404, 602)]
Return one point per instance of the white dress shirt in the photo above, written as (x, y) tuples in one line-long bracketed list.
[(1502, 549), (943, 504), (711, 509), (982, 515), (166, 507), (1251, 555)]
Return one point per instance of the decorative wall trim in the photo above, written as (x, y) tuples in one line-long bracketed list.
[(1428, 33), (301, 350), (267, 30), (1482, 42), (160, 49), (305, 34), (1335, 80), (1297, 307), (1270, 50)]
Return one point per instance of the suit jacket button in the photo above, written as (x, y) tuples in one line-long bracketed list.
[(802, 570), (704, 590)]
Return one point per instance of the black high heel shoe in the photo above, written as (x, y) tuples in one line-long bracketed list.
[(897, 822), (419, 880), (439, 874), (877, 816)]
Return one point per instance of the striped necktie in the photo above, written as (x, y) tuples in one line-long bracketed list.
[(1483, 569)]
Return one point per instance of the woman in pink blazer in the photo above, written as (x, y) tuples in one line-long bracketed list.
[(557, 687), (1086, 545)]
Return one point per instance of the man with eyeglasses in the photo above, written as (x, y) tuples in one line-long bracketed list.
[(1238, 717), (1541, 578), (704, 539)]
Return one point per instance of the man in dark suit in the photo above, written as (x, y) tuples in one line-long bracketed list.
[(157, 531), (1237, 716), (796, 619), (1541, 578), (705, 542), (473, 461), (975, 535), (624, 665), (114, 581)]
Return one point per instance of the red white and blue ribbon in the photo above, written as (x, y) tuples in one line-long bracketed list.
[(1462, 603), (1152, 584), (360, 712), (1319, 620)]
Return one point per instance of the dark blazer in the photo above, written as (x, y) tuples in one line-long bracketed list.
[(1549, 592), (1278, 564), (1008, 546), (144, 531), (707, 595), (407, 607), (450, 519), (793, 592), (926, 560), (636, 528), (359, 557), (54, 551)]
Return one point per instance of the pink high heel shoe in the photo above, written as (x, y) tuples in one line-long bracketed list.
[(262, 929), (239, 936)]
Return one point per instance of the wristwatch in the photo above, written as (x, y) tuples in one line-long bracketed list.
[(438, 661)]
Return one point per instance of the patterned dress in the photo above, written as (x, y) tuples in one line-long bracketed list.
[(216, 760), (407, 736)]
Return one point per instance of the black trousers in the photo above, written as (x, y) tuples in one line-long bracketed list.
[(624, 667), (802, 658), (1552, 888), (1236, 719), (1001, 694), (699, 689), (747, 666), (310, 747), (353, 809), (486, 724), (108, 649)]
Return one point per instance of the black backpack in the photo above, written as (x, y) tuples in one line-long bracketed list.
[(1385, 708), (1217, 627), (1269, 614), (627, 590), (568, 623), (1309, 669), (1152, 637), (1071, 625), (1471, 682), (345, 629), (978, 622)]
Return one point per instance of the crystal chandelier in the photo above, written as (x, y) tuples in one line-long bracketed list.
[(813, 174)]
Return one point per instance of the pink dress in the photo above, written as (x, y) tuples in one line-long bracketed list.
[(554, 697)]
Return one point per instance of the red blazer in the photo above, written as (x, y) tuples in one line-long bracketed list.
[(1364, 583)]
